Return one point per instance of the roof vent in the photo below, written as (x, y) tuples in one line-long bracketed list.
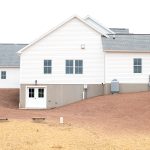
[(82, 46), (114, 36)]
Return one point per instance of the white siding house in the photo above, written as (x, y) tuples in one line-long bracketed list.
[(76, 60), (75, 40)]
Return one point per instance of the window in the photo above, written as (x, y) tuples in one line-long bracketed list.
[(31, 92), (74, 66), (137, 65), (40, 92), (69, 66), (3, 74), (47, 66), (78, 66)]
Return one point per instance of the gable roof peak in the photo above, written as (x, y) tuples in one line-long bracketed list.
[(55, 28)]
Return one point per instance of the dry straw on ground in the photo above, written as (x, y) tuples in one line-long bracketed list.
[(26, 135)]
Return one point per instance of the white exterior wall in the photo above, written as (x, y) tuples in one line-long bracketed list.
[(120, 66), (65, 43), (12, 78)]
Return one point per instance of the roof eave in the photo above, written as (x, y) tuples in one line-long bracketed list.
[(9, 66)]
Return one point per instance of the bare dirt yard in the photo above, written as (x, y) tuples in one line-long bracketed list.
[(112, 122)]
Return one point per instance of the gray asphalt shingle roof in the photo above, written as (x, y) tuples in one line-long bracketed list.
[(9, 56), (131, 42)]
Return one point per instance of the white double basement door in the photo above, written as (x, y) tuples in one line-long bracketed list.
[(36, 97)]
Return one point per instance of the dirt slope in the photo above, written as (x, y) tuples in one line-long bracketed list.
[(9, 98), (112, 112)]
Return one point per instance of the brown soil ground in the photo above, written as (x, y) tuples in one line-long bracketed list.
[(125, 112)]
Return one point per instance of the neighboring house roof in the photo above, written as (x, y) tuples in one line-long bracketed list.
[(127, 42), (9, 56), (57, 27), (120, 30), (98, 25)]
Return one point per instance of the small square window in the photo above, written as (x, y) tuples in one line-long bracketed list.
[(3, 74)]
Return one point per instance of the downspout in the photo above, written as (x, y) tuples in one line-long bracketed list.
[(104, 86), (104, 83)]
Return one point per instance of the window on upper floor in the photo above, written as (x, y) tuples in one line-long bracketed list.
[(3, 74), (47, 66), (137, 65), (74, 66), (69, 66), (78, 66)]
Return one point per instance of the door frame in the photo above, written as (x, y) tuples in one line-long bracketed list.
[(35, 86)]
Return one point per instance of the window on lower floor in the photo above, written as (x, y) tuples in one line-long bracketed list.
[(41, 92), (3, 74), (137, 65), (31, 92), (47, 66)]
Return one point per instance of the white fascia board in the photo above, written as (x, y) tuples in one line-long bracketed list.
[(99, 24)]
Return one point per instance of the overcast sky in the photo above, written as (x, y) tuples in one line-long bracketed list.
[(22, 21)]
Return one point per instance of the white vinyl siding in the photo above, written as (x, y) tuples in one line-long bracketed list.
[(61, 45), (120, 66), (9, 79)]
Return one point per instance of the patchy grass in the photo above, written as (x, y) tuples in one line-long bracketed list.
[(26, 135)]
